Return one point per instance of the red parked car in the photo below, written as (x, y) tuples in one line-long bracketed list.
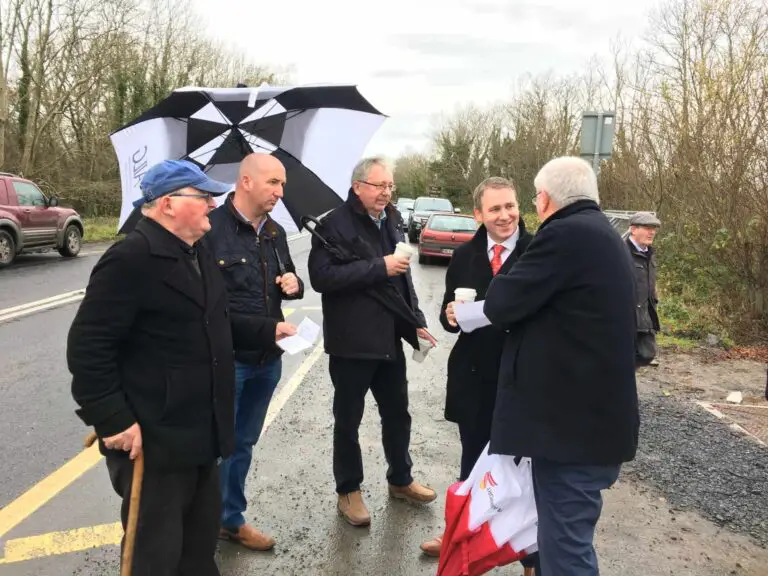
[(443, 232), (32, 222)]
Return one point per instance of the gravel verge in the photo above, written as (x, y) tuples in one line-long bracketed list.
[(700, 464)]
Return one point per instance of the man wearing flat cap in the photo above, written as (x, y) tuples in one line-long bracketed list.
[(642, 230), (150, 352)]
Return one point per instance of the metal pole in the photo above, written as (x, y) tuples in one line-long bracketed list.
[(598, 138)]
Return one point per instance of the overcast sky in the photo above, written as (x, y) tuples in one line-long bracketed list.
[(414, 59)]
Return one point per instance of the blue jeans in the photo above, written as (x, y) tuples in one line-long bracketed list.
[(569, 503), (254, 386)]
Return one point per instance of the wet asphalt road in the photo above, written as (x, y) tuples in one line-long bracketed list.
[(290, 488)]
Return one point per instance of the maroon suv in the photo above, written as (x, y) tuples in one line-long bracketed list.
[(31, 222)]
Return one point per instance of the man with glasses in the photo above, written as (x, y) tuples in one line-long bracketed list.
[(363, 333), (150, 353), (251, 250)]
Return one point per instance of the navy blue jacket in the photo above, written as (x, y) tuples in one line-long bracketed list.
[(250, 263), (567, 389), (356, 324)]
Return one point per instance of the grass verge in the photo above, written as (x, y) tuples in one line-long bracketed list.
[(100, 229), (675, 343)]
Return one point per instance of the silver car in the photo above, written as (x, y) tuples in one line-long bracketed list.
[(403, 206)]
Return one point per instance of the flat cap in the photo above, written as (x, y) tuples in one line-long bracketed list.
[(644, 219)]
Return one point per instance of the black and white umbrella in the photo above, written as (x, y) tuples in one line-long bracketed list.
[(317, 132)]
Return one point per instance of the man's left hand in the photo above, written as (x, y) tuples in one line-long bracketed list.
[(422, 333), (289, 284)]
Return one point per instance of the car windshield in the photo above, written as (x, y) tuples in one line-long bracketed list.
[(405, 203), (433, 205), (452, 224)]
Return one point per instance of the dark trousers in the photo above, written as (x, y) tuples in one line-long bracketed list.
[(386, 379), (474, 435), (569, 503), (178, 526)]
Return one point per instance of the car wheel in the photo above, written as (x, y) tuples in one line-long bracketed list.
[(422, 259), (7, 249), (72, 242)]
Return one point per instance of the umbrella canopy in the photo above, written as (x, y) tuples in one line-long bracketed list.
[(317, 132)]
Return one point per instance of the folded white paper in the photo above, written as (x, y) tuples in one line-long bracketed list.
[(305, 337), (469, 315)]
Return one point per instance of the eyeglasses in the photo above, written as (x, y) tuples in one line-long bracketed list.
[(203, 195), (381, 187), (535, 197)]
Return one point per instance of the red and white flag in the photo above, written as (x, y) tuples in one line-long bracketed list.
[(490, 518)]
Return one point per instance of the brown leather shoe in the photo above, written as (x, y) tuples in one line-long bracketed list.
[(352, 508), (432, 547), (248, 537), (414, 493)]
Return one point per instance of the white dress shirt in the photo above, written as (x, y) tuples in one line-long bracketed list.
[(509, 246)]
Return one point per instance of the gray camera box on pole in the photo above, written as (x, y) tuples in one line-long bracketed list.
[(597, 130)]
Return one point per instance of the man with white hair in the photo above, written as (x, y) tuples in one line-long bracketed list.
[(369, 307), (567, 396)]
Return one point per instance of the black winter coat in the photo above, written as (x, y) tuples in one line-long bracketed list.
[(644, 264), (473, 365), (356, 325), (567, 388), (250, 263), (152, 343)]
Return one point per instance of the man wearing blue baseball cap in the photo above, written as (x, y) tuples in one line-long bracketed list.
[(150, 351)]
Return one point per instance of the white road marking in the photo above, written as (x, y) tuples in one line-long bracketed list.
[(292, 385), (732, 425), (39, 305)]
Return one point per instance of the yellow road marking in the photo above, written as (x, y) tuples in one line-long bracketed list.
[(43, 491), (65, 542)]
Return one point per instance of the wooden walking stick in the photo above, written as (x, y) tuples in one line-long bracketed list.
[(133, 515), (126, 565)]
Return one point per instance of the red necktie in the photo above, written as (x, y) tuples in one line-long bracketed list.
[(496, 260)]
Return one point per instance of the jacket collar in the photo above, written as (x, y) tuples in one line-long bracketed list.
[(165, 244), (570, 210), (269, 229), (162, 242)]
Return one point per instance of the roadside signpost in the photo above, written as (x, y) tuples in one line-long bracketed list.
[(597, 129)]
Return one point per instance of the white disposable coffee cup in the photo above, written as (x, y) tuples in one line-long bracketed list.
[(465, 294), (404, 250), (424, 348)]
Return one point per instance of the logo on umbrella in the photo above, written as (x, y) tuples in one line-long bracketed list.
[(487, 481)]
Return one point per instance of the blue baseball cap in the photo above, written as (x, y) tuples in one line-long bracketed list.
[(172, 175)]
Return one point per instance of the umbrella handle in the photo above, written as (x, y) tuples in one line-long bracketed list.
[(305, 220)]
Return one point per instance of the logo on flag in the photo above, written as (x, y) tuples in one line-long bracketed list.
[(487, 481)]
